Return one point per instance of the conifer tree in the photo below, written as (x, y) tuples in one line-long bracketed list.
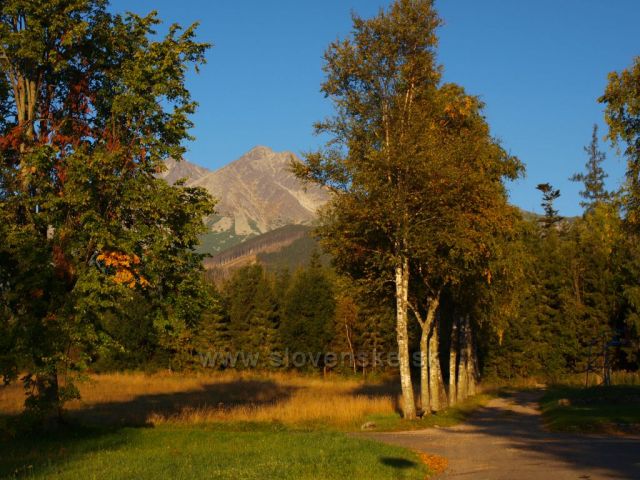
[(594, 177), (252, 314), (549, 195), (211, 333), (309, 310)]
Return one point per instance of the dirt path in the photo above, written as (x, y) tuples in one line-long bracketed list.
[(505, 440)]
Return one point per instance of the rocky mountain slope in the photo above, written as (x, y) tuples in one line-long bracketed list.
[(256, 194), (177, 170)]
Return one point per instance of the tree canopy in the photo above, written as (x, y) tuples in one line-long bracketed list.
[(92, 104)]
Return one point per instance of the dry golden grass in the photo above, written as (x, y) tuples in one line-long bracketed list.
[(138, 398)]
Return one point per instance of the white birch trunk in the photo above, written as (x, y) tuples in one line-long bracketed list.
[(467, 376), (453, 362), (402, 333), (428, 400), (436, 384), (424, 370)]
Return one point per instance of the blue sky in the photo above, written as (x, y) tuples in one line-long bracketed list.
[(539, 65)]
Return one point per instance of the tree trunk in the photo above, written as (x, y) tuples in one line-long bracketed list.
[(467, 375), (436, 384), (424, 370), (453, 361), (428, 400), (402, 333), (353, 354), (47, 399)]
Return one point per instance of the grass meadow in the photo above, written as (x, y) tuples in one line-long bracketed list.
[(232, 425), (246, 425), (336, 403), (187, 452)]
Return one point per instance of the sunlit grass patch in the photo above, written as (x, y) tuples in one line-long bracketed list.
[(187, 452), (166, 398)]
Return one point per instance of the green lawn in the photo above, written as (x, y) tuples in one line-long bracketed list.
[(228, 452), (614, 409)]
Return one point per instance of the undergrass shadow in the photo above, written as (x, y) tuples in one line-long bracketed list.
[(100, 426), (26, 451), (221, 395), (396, 462)]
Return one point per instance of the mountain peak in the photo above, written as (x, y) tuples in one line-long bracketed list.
[(177, 169), (256, 193), (258, 152)]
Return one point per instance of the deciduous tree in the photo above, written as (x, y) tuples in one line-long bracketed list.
[(91, 104)]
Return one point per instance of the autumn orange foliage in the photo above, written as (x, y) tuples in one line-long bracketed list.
[(124, 265), (436, 463)]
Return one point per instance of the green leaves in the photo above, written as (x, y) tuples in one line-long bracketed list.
[(93, 105)]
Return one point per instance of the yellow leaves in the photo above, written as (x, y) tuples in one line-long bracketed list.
[(459, 109), (124, 266), (117, 259)]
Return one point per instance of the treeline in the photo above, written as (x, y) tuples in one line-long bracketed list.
[(267, 320), (573, 302), (560, 301)]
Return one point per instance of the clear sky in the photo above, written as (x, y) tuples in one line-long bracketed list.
[(539, 65)]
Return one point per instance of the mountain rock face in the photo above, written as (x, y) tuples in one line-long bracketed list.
[(177, 170), (256, 194)]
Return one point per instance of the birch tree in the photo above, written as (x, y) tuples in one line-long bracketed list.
[(463, 216), (379, 80), (417, 177)]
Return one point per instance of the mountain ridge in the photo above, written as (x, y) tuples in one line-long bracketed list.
[(257, 193)]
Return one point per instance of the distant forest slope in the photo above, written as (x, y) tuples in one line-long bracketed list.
[(287, 247)]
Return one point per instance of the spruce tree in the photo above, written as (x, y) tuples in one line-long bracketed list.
[(252, 315), (549, 195), (309, 310), (594, 177)]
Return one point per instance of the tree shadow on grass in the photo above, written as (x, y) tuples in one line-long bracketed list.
[(397, 462), (28, 452), (388, 388), (221, 395), (100, 426)]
